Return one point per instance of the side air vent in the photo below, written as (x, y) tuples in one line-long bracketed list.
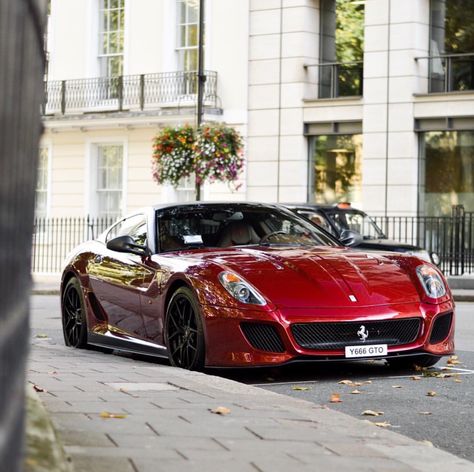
[(263, 337), (441, 328)]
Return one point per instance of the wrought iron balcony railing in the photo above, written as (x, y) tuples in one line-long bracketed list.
[(450, 72), (127, 93), (337, 79)]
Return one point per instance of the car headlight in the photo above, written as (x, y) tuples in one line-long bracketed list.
[(431, 281), (240, 289)]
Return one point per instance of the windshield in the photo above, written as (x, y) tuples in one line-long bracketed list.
[(210, 226), (356, 221)]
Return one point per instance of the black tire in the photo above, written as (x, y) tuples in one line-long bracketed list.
[(74, 315), (184, 334), (410, 362)]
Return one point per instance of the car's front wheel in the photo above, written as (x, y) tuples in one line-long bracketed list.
[(184, 332), (74, 315), (410, 362)]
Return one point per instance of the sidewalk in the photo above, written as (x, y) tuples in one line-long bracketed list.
[(122, 414)]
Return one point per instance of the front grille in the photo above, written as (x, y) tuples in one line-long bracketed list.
[(263, 337), (327, 336), (441, 328)]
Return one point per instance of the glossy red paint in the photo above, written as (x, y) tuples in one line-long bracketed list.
[(126, 296)]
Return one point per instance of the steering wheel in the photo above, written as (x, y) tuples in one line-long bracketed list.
[(270, 235)]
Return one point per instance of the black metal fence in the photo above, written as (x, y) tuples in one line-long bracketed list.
[(451, 237), (54, 238), (127, 93)]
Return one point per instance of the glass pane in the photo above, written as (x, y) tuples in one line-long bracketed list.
[(104, 23), (192, 35), (182, 36), (182, 12), (115, 16), (336, 169), (193, 12), (447, 160)]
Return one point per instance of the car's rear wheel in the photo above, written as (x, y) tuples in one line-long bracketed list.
[(74, 315), (184, 332), (411, 362)]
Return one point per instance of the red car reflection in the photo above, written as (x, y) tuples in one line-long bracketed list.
[(241, 284)]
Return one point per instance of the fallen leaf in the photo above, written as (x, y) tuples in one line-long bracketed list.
[(444, 376), (397, 386), (427, 443), (220, 410), (458, 380), (431, 393), (372, 413), (299, 387), (415, 377), (426, 413), (346, 382), (53, 372), (384, 424), (453, 360), (335, 398), (41, 336), (107, 415), (39, 389), (356, 392)]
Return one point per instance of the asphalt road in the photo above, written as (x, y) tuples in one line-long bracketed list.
[(446, 418)]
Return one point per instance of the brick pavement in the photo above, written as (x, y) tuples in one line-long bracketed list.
[(165, 422)]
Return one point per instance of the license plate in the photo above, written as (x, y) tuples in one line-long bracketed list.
[(371, 350)]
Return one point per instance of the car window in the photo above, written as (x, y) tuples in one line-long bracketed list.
[(316, 218), (134, 226), (356, 221), (223, 226)]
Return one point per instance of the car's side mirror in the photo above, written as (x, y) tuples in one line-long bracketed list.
[(350, 238), (127, 244)]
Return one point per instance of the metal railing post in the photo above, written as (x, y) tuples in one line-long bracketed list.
[(120, 92), (142, 91), (63, 97)]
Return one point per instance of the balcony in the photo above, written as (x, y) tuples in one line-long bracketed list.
[(337, 79), (450, 72), (128, 93)]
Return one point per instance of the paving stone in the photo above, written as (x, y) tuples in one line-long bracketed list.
[(84, 463), (75, 438)]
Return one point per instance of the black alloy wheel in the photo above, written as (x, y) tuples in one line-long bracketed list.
[(74, 315), (183, 331), (412, 362)]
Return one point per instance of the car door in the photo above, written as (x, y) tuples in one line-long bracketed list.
[(117, 280)]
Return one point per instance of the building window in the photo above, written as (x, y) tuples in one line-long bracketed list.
[(109, 188), (111, 31), (447, 171), (188, 34), (341, 48), (451, 45), (41, 206), (336, 169)]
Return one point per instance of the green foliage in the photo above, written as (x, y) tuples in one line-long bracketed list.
[(349, 31)]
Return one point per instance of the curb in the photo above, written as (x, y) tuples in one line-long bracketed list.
[(43, 449)]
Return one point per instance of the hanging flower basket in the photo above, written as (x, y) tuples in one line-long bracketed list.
[(214, 153), (173, 154), (219, 154)]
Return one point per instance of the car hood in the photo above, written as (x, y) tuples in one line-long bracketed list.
[(320, 277)]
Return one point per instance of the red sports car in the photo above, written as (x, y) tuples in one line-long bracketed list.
[(244, 284)]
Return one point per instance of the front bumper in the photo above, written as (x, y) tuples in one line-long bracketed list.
[(228, 346)]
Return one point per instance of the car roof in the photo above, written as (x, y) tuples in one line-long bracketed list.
[(319, 206), (162, 206)]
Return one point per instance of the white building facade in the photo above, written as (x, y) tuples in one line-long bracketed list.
[(368, 101)]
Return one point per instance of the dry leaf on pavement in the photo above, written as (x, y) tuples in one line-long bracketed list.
[(453, 360), (220, 410), (372, 413), (346, 382), (41, 336), (426, 413), (397, 386), (39, 389), (107, 415), (384, 424), (415, 377), (356, 392), (299, 387), (335, 398), (431, 393)]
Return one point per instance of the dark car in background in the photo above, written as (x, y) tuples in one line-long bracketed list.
[(342, 221)]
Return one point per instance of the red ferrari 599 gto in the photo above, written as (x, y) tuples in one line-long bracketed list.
[(244, 284)]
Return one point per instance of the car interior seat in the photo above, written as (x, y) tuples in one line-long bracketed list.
[(238, 233)]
